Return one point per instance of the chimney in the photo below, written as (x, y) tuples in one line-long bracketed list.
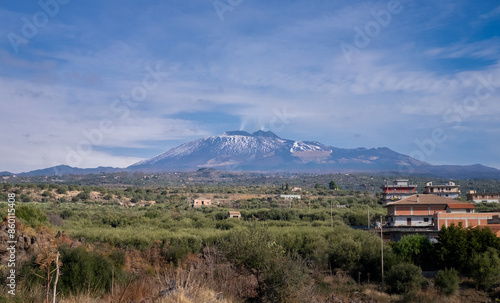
[(417, 197)]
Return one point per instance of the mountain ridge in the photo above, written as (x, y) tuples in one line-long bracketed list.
[(266, 152)]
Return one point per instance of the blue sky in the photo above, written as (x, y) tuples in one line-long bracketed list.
[(108, 83)]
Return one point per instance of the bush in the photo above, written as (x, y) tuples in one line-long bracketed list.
[(486, 268), (62, 190), (416, 249), (179, 248), (31, 215), (84, 270), (447, 281), (84, 195), (255, 252), (404, 278)]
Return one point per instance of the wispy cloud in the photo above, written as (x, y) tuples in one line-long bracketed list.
[(273, 65)]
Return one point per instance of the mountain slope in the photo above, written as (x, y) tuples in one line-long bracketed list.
[(68, 170), (265, 151)]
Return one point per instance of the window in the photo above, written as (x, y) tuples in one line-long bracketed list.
[(426, 219), (467, 211)]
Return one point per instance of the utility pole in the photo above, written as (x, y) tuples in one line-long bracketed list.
[(331, 213), (382, 252), (368, 226)]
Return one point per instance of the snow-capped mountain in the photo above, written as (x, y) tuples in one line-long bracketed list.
[(265, 151)]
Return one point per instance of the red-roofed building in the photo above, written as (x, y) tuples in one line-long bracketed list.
[(399, 190), (427, 214), (419, 210)]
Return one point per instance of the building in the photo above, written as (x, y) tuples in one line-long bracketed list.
[(417, 210), (466, 219), (199, 202), (296, 189), (484, 197), (234, 214), (448, 190), (290, 197), (494, 225), (397, 191), (427, 214)]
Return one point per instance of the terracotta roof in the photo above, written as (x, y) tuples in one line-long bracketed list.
[(495, 228), (425, 199), (461, 205)]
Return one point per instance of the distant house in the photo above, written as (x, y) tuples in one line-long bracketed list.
[(400, 189), (199, 202), (234, 214), (448, 190), (416, 210), (427, 214), (296, 189), (474, 196)]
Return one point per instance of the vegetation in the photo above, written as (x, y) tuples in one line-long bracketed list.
[(447, 281), (115, 243)]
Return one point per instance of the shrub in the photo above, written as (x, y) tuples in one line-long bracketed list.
[(84, 270), (415, 249), (404, 278), (84, 195), (447, 281), (66, 214), (224, 225), (179, 248), (62, 190), (31, 215), (255, 252), (486, 268)]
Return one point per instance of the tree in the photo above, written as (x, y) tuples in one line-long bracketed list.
[(415, 249), (48, 260), (486, 268), (404, 278), (451, 249), (457, 246), (333, 185), (447, 281), (255, 252)]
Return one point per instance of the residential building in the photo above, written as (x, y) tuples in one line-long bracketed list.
[(427, 214), (416, 210), (448, 190), (234, 214), (400, 189), (466, 219), (199, 202), (474, 196)]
